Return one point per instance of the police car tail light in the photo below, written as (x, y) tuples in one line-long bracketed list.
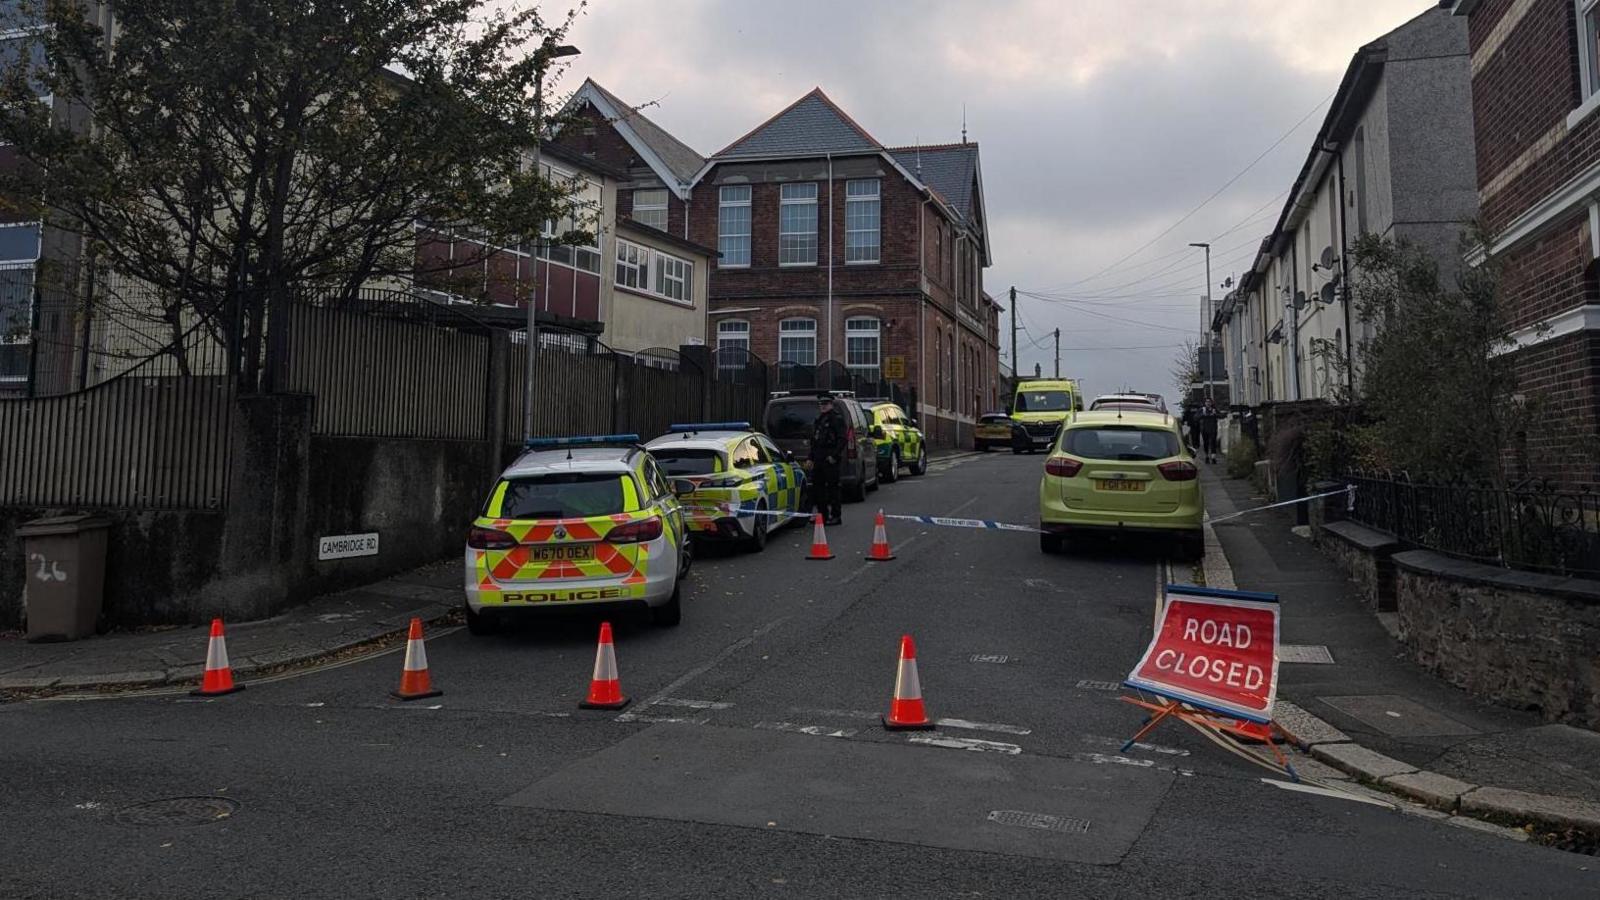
[(636, 532), (1179, 470), (489, 539), (850, 442), (1062, 466)]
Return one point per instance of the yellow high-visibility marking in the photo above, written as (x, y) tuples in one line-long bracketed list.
[(496, 501), (630, 495)]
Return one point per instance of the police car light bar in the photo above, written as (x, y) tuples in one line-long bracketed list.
[(708, 426), (533, 443)]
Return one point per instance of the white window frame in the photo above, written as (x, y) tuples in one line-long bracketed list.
[(797, 328), (807, 238), (734, 246), (862, 328), (732, 333), (856, 207), (654, 214), (633, 258), (1588, 33), (672, 278)]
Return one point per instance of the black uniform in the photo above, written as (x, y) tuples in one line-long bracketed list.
[(827, 456), (1208, 431)]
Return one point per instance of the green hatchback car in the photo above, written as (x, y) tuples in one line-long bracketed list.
[(899, 440)]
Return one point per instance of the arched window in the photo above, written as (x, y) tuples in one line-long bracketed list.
[(733, 343), (862, 345), (797, 342)]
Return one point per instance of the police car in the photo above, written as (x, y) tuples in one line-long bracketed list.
[(727, 475), (577, 522)]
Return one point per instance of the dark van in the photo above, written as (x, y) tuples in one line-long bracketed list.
[(790, 417)]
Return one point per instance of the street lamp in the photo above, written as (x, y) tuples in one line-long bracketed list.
[(541, 58), (1205, 320)]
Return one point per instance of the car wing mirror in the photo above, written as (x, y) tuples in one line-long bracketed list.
[(682, 487)]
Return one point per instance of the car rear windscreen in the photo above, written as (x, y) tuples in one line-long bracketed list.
[(792, 419), (564, 495), (993, 420), (1043, 401), (690, 461), (1120, 442)]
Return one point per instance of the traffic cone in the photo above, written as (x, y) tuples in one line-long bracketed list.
[(880, 542), (218, 679), (605, 690), (905, 710), (414, 681), (819, 541)]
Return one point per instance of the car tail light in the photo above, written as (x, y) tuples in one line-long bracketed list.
[(489, 539), (1062, 467), (850, 442), (636, 532), (1179, 470)]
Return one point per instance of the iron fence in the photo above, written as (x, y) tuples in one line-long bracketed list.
[(1536, 526)]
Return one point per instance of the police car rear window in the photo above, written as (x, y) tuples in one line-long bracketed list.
[(689, 461), (792, 418), (1120, 443), (565, 495)]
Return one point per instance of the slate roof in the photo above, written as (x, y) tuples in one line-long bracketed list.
[(812, 124), (950, 170), (679, 158)]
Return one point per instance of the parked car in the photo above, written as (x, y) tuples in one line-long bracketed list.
[(992, 430), (1129, 402), (900, 441), (1120, 472), (790, 417), (729, 478)]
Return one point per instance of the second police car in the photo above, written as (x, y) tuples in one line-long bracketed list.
[(733, 477), (577, 522)]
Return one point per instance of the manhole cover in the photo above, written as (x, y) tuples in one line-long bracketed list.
[(178, 812), (992, 658), (1398, 716), (1305, 653), (1100, 685), (1042, 821)]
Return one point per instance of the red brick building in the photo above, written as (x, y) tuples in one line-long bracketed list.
[(1536, 104), (843, 256)]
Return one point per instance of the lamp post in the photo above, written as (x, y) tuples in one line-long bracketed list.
[(542, 57), (1205, 314)]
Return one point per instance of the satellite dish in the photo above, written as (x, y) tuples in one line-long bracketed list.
[(1328, 259), (1328, 294), (1299, 300)]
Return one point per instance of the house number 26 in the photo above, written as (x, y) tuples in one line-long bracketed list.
[(53, 573)]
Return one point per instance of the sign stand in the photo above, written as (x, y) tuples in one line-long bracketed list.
[(1213, 662)]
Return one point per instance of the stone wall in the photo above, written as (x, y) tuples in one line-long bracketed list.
[(1521, 639), (1364, 555)]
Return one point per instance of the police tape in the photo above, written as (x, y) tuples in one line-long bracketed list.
[(1350, 505), (987, 524)]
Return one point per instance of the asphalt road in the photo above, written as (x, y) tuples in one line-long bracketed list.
[(750, 763)]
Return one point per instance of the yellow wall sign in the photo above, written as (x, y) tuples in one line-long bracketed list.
[(894, 367)]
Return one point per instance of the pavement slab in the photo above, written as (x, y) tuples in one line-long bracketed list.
[(1304, 728), (1361, 762)]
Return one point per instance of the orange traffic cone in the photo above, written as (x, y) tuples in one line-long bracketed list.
[(414, 681), (218, 679), (819, 541), (880, 542), (605, 689), (905, 710)]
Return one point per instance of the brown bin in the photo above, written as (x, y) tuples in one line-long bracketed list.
[(66, 575)]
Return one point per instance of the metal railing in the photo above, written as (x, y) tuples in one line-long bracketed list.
[(1536, 526)]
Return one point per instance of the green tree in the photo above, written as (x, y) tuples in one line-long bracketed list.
[(225, 149)]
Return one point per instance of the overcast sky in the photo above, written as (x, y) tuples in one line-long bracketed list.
[(1101, 122)]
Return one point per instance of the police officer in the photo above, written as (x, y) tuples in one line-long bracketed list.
[(1209, 415), (827, 455)]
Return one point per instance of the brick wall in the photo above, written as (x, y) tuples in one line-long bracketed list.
[(1564, 446), (1550, 275)]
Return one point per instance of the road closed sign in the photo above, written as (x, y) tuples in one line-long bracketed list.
[(1217, 650)]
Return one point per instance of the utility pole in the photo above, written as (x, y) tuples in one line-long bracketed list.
[(542, 59), (1016, 364), (1058, 353), (1205, 325)]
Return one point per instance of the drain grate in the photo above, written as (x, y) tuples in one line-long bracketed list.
[(178, 812), (1017, 818), (1100, 685), (1305, 653), (1000, 658)]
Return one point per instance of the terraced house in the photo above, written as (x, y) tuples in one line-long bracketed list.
[(845, 260)]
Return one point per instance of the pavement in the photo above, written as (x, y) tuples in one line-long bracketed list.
[(751, 761), (1369, 711)]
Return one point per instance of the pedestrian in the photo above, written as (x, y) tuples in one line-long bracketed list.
[(827, 455), (1208, 429)]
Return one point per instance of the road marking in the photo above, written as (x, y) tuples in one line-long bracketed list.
[(1325, 792), (692, 704), (999, 658), (1151, 748), (707, 666), (662, 720), (966, 744), (983, 726), (818, 730), (1044, 821), (841, 713), (1089, 685)]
